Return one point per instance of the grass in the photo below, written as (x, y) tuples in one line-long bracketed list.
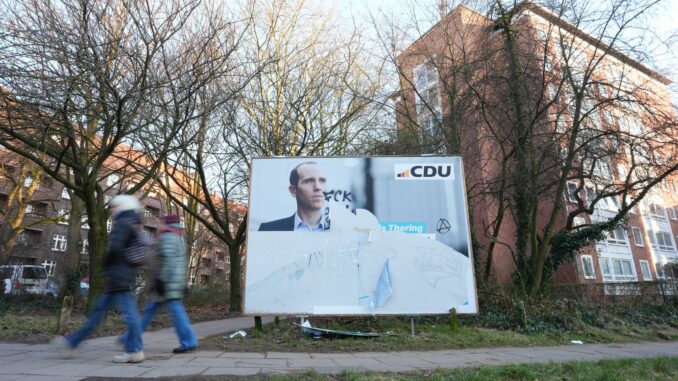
[(662, 368), (432, 334), (31, 319)]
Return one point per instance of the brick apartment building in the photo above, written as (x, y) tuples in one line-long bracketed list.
[(44, 239), (431, 95)]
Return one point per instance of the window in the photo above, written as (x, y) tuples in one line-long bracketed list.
[(671, 213), (59, 242), (637, 236), (657, 212), (572, 192), (64, 194), (617, 236), (84, 222), (221, 256), (150, 232), (667, 270), (591, 195), (50, 267), (21, 238), (428, 99), (151, 212), (577, 221), (84, 248), (645, 269), (661, 241), (28, 181), (29, 209), (63, 216), (206, 262), (587, 267), (619, 270), (112, 180), (182, 222), (109, 225)]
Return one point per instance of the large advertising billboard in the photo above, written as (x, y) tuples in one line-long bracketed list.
[(358, 236)]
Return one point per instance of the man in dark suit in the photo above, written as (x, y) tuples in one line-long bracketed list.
[(307, 183)]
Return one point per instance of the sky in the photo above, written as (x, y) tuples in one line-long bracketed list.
[(664, 24)]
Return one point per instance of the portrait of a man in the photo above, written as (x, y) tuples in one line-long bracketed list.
[(307, 186)]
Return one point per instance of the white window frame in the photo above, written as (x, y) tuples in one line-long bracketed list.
[(50, 267), (571, 190), (617, 237), (29, 209), (59, 242), (64, 194), (672, 213), (637, 236), (665, 243), (84, 249), (109, 225), (428, 102), (588, 260), (607, 268), (645, 269), (62, 213)]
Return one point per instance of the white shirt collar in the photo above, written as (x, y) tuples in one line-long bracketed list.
[(300, 225)]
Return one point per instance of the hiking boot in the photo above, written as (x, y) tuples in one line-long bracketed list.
[(133, 357)]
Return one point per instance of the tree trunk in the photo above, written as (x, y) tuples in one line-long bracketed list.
[(71, 275), (235, 277)]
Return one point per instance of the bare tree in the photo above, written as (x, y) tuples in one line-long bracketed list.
[(82, 78), (552, 93)]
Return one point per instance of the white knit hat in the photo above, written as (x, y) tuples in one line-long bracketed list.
[(124, 202)]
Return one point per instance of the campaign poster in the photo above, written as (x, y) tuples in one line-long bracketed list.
[(358, 236)]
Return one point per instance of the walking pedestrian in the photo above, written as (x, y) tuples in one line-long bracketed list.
[(120, 277), (170, 284)]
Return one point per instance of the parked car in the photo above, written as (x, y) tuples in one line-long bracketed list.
[(24, 279)]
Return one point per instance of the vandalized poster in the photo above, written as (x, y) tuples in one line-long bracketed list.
[(358, 236)]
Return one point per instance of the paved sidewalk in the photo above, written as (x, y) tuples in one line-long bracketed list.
[(94, 359)]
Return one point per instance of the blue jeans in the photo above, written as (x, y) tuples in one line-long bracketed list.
[(182, 324), (125, 302)]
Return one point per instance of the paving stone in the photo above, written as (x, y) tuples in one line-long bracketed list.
[(215, 371), (170, 371), (68, 369), (243, 355), (120, 370), (217, 362), (367, 363), (332, 355), (261, 363), (285, 355), (311, 363)]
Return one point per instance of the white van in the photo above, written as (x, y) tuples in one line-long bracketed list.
[(28, 279)]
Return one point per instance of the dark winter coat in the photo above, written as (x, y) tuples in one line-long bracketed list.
[(119, 274)]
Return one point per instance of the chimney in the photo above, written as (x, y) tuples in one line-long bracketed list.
[(442, 8)]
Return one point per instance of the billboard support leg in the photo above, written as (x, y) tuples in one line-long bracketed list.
[(412, 325), (257, 324)]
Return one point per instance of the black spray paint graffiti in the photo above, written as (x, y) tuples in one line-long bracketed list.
[(341, 196)]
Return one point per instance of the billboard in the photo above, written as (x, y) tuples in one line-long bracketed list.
[(358, 236)]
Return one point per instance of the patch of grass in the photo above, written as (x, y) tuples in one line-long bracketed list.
[(288, 337), (662, 368)]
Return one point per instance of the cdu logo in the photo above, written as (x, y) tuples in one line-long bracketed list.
[(423, 171)]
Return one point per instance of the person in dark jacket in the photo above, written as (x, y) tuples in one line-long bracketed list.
[(120, 277), (170, 284)]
